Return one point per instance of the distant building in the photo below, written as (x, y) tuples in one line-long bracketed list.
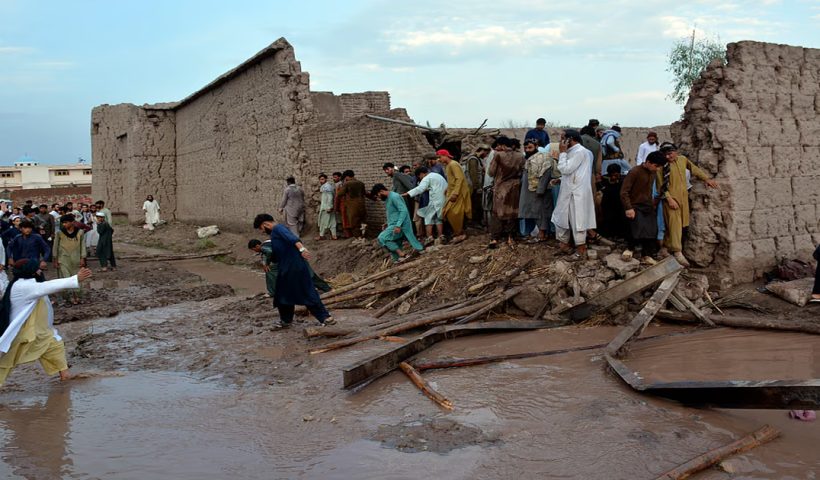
[(27, 174)]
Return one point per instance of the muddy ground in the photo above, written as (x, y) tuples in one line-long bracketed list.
[(188, 378)]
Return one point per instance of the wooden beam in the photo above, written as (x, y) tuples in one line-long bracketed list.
[(642, 319), (164, 258), (408, 294), (486, 309), (702, 462), (369, 369), (370, 279), (688, 305), (640, 282), (746, 321), (425, 387)]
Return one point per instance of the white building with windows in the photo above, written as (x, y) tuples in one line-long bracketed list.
[(27, 174)]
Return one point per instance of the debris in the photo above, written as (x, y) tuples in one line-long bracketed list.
[(208, 231), (797, 292), (478, 259), (403, 308), (408, 294), (366, 293), (622, 290), (620, 265), (747, 321), (642, 319), (502, 279), (425, 387), (308, 418), (166, 258), (592, 254), (692, 308), (496, 302), (371, 278), (370, 369), (803, 415), (712, 457), (529, 300)]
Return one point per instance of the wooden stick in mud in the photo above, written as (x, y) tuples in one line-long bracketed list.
[(370, 279), (367, 293), (712, 457), (495, 303), (181, 256), (313, 332), (504, 278), (425, 387), (402, 327), (745, 321), (692, 308), (408, 294), (421, 314)]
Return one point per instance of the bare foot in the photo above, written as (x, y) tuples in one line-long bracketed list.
[(65, 375)]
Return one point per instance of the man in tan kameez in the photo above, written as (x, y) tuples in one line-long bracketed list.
[(355, 211), (458, 204), (672, 190), (69, 251), (505, 169), (28, 332)]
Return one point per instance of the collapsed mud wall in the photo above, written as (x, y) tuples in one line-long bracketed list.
[(754, 124)]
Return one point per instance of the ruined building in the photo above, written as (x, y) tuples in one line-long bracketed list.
[(221, 155), (754, 123)]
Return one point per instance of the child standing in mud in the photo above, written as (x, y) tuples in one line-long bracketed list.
[(69, 252), (27, 330)]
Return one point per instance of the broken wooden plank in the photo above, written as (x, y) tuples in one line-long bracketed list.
[(642, 319), (688, 305), (425, 387), (366, 293), (408, 294), (764, 394), (746, 321), (624, 289), (367, 370), (503, 278), (763, 435)]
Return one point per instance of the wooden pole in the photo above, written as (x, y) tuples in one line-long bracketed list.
[(425, 387), (366, 293), (506, 277), (757, 323), (688, 305), (712, 457), (312, 332), (408, 294), (498, 301), (181, 256), (370, 279), (402, 327)]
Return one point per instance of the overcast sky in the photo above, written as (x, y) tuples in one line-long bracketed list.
[(455, 62)]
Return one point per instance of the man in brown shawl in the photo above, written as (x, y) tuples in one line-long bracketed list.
[(353, 192), (506, 172)]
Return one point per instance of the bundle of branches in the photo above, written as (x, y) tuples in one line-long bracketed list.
[(740, 299)]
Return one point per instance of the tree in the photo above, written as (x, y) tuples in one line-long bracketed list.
[(687, 59)]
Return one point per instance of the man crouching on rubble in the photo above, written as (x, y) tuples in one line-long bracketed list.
[(399, 227), (294, 285)]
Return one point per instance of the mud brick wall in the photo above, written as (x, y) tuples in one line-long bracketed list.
[(755, 125), (364, 145), (49, 196), (135, 149)]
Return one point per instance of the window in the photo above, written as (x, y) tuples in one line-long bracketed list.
[(87, 171), (61, 173), (6, 174)]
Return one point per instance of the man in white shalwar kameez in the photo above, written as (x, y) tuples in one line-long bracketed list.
[(437, 186), (575, 209), (151, 209), (27, 321)]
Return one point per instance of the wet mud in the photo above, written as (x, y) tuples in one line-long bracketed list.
[(209, 389)]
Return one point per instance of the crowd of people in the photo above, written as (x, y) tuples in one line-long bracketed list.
[(578, 189)]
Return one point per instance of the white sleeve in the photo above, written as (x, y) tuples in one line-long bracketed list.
[(37, 290), (568, 164), (422, 187)]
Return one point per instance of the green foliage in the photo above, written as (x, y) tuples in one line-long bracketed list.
[(204, 244), (687, 59)]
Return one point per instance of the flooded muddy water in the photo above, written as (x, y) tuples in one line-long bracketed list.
[(205, 390), (728, 354)]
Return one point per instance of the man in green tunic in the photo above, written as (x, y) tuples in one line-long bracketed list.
[(105, 244), (69, 252), (272, 270), (399, 227)]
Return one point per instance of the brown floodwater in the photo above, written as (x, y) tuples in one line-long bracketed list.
[(175, 408), (554, 417), (727, 354)]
